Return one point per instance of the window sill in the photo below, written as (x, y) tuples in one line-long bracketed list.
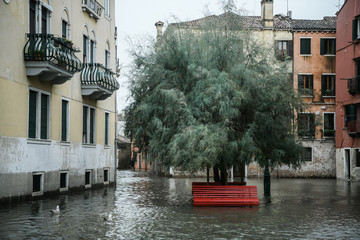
[(329, 55), (307, 96), (38, 141), (107, 17), (89, 145), (107, 146), (328, 96), (305, 55), (40, 193), (65, 143)]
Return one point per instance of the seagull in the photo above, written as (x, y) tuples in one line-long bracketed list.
[(56, 211), (109, 218)]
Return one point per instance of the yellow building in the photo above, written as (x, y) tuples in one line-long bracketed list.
[(57, 95)]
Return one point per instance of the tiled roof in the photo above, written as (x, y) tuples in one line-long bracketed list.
[(255, 22)]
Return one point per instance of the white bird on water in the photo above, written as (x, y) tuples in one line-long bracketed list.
[(56, 211)]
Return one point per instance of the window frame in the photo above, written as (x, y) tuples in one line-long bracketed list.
[(306, 132), (333, 127), (324, 91), (282, 53), (304, 90), (66, 188), (107, 9), (307, 53), (41, 190), (90, 137), (304, 159), (356, 28), (67, 123), (107, 129), (38, 115), (326, 48)]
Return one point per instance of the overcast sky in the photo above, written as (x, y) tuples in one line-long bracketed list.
[(135, 19)]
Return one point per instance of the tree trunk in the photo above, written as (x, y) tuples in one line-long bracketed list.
[(223, 173), (267, 181), (216, 174)]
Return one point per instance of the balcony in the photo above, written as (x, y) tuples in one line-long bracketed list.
[(50, 58), (354, 85), (93, 8), (97, 81)]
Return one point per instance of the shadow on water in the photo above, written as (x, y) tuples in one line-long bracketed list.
[(143, 207)]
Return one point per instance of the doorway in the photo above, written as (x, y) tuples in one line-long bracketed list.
[(347, 165)]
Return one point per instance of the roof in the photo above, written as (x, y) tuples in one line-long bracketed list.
[(255, 22)]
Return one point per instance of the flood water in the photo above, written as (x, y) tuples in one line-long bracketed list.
[(145, 207)]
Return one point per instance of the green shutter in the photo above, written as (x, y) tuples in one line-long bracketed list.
[(64, 117), (85, 133), (311, 77), (333, 85), (290, 48), (323, 85), (32, 114), (106, 128), (92, 122), (333, 46), (305, 46), (354, 32), (322, 47), (44, 117), (312, 124), (300, 82)]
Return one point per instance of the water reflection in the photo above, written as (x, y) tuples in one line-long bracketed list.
[(161, 208)]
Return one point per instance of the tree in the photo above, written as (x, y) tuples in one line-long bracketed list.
[(212, 97)]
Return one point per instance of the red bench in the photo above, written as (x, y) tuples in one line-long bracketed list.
[(224, 195)]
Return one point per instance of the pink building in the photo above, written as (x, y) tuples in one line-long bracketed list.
[(348, 91)]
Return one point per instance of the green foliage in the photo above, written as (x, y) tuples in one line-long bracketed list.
[(212, 97)]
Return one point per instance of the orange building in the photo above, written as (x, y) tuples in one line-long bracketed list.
[(314, 77)]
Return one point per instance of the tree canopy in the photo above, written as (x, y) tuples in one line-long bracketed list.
[(212, 97)]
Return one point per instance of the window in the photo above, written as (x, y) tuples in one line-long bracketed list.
[(92, 51), (64, 29), (328, 85), (38, 182), (88, 125), (85, 49), (106, 175), (327, 46), (307, 154), (38, 115), (329, 124), (107, 59), (107, 128), (107, 8), (306, 124), (351, 118), (284, 48), (40, 23), (64, 181), (305, 85), (64, 120), (305, 46), (87, 178), (357, 157), (356, 28)]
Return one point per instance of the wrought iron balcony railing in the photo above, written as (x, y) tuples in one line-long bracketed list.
[(93, 8), (97, 81), (50, 58), (354, 85)]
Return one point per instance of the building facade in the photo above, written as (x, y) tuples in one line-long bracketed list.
[(57, 101), (348, 91)]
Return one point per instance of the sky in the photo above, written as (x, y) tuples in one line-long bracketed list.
[(136, 19)]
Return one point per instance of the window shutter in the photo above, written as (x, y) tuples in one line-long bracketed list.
[(354, 32), (106, 128), (32, 114), (333, 46), (64, 121), (311, 82), (323, 85), (300, 83), (290, 49), (92, 119), (44, 117), (312, 124), (302, 46), (84, 124), (322, 46)]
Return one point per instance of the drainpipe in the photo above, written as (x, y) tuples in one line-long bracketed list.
[(115, 140)]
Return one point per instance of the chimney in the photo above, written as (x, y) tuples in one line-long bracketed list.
[(267, 13), (159, 26), (289, 14)]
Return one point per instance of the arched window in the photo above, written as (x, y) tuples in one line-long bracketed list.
[(86, 52), (39, 16), (93, 47), (107, 55), (65, 24)]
